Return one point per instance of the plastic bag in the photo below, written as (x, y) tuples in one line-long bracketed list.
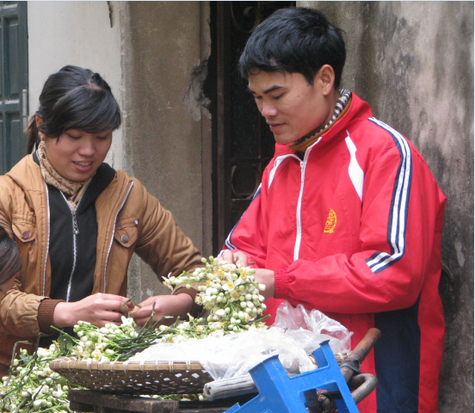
[(310, 328), (295, 334)]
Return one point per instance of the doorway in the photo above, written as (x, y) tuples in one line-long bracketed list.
[(242, 143)]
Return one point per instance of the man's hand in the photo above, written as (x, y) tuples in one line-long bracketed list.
[(178, 305), (262, 275), (233, 257), (98, 309), (266, 277)]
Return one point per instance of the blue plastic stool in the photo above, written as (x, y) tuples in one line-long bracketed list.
[(280, 393)]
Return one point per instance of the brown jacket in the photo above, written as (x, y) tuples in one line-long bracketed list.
[(129, 220)]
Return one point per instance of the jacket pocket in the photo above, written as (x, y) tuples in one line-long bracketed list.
[(24, 229), (126, 232), (26, 234)]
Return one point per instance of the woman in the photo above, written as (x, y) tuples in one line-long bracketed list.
[(77, 221)]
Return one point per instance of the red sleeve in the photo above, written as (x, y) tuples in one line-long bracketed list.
[(250, 233)]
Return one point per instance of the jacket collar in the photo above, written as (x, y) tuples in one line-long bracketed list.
[(358, 109), (27, 175), (101, 179)]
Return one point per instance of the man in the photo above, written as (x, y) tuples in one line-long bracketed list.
[(348, 217)]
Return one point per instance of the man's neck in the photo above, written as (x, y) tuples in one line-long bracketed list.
[(340, 104)]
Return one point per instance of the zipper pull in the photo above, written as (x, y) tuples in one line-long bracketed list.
[(75, 223)]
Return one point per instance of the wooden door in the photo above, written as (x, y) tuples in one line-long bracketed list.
[(13, 82)]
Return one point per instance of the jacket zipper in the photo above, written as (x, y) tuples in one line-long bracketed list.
[(298, 238), (112, 235), (303, 166), (75, 227), (47, 238)]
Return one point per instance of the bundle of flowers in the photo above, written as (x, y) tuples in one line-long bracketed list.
[(32, 386), (228, 292), (112, 342)]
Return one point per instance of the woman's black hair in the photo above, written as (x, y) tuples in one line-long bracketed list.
[(74, 98), (10, 260), (294, 40)]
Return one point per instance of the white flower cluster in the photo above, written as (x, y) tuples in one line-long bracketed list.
[(33, 386), (228, 291), (100, 343)]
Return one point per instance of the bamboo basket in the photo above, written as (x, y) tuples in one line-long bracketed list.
[(134, 377)]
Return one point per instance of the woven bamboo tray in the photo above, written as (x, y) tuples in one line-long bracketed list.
[(134, 377)]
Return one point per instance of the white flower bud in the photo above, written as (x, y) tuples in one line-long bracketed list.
[(38, 403), (220, 313)]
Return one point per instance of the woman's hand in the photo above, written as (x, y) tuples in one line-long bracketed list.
[(98, 309), (178, 305)]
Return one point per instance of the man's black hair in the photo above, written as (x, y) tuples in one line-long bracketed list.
[(294, 40)]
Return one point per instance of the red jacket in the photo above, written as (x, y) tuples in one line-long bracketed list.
[(354, 230)]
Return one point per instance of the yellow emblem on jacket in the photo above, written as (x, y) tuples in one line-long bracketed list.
[(331, 222)]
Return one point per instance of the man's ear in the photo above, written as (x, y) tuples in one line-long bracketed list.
[(326, 76)]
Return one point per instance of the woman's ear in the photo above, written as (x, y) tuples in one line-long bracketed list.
[(326, 76), (41, 135)]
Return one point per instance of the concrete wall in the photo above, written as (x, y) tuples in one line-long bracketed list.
[(413, 62), (82, 33), (162, 60)]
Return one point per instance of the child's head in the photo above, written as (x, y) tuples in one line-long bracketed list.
[(294, 40), (10, 261)]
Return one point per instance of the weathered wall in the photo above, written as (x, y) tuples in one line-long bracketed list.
[(161, 46), (82, 33), (413, 62)]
